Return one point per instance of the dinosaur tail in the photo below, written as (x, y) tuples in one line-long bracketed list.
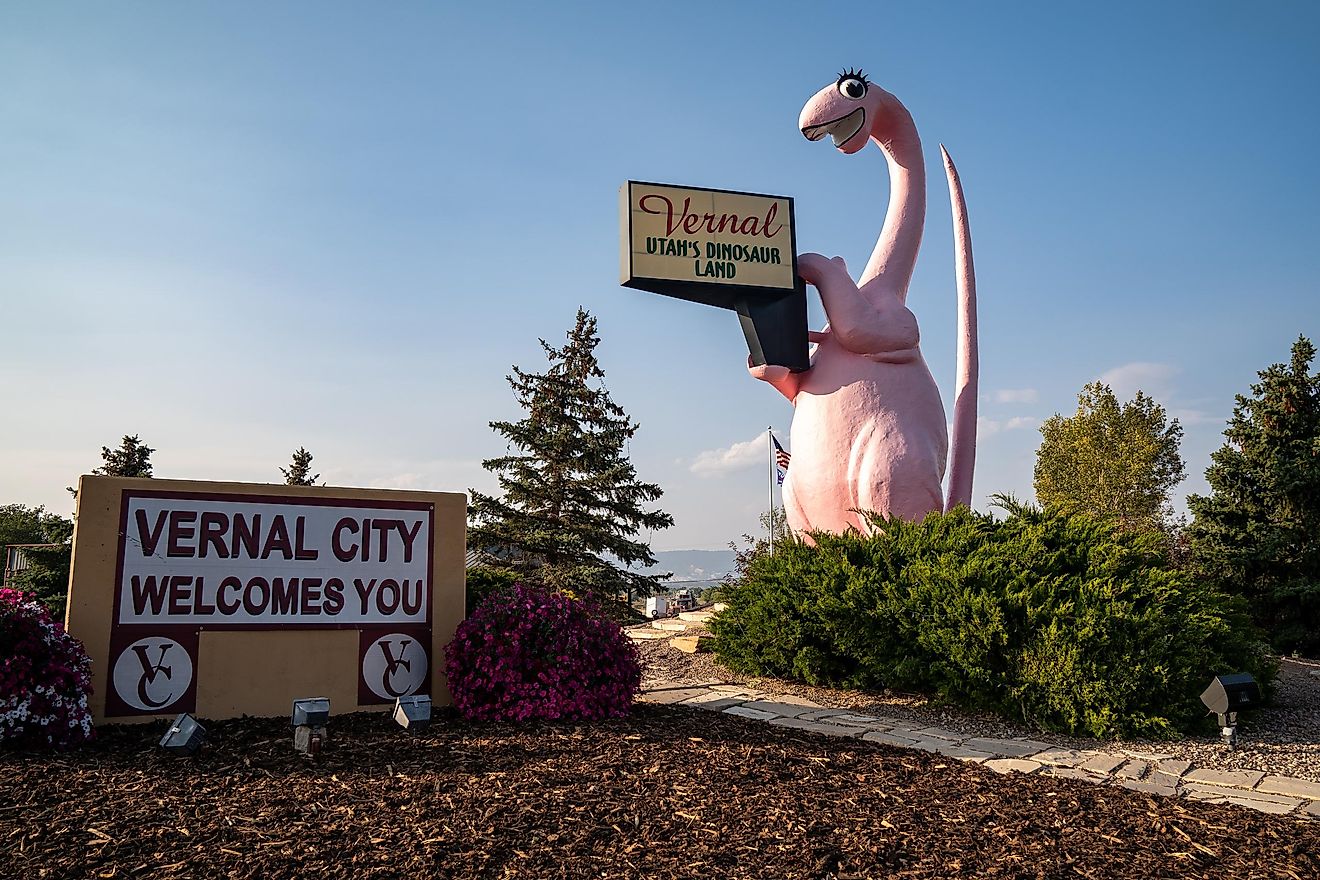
[(962, 456)]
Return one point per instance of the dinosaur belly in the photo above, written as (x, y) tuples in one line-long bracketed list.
[(866, 436)]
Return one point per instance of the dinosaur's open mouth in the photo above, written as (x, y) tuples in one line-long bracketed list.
[(843, 129)]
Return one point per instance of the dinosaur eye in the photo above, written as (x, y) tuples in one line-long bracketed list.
[(852, 87)]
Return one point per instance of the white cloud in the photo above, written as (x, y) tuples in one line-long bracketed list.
[(1156, 380), (990, 427), (1016, 395), (745, 454)]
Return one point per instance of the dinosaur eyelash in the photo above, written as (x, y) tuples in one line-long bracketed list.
[(849, 73)]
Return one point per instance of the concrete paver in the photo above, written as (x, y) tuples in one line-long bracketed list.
[(1073, 773), (780, 708), (1233, 778), (1011, 765), (887, 738), (1133, 769), (1102, 764), (1154, 757), (1060, 757), (818, 714), (647, 634), (676, 695), (1012, 748), (1274, 807), (816, 726), (854, 718), (941, 733), (1287, 785), (718, 704), (939, 746), (963, 753), (1149, 786), (1195, 789)]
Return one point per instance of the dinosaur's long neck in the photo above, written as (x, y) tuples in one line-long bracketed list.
[(895, 254)]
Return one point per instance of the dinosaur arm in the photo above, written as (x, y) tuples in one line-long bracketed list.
[(863, 325), (785, 381)]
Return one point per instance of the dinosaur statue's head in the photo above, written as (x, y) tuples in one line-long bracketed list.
[(847, 109)]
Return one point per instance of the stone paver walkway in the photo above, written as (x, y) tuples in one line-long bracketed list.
[(1149, 772)]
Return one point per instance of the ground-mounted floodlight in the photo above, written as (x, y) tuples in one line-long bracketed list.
[(309, 719), (311, 712), (184, 737), (1226, 696), (413, 713)]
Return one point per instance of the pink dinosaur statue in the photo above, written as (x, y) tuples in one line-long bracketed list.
[(869, 427)]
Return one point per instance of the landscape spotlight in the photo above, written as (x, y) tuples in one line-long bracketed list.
[(184, 737), (1226, 696), (413, 713), (309, 719)]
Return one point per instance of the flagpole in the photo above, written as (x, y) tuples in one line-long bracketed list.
[(770, 448)]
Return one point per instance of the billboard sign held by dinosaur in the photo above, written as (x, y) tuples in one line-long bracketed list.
[(732, 250)]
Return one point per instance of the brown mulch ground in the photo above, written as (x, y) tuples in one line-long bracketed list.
[(669, 792)]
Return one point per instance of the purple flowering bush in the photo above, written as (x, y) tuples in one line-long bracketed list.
[(529, 653), (45, 678)]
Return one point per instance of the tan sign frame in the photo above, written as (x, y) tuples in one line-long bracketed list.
[(255, 669)]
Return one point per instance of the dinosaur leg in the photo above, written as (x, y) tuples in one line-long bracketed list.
[(898, 478)]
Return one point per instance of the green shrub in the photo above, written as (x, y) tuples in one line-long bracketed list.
[(486, 580), (1055, 619)]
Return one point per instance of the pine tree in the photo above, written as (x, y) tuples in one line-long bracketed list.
[(297, 473), (1110, 460), (572, 504), (1258, 531), (131, 459)]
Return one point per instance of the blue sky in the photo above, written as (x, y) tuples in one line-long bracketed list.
[(238, 228)]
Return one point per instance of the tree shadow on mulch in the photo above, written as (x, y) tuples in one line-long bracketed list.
[(667, 792)]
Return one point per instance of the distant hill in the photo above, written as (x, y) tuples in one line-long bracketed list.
[(694, 565)]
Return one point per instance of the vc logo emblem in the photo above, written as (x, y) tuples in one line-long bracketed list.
[(152, 673), (394, 666)]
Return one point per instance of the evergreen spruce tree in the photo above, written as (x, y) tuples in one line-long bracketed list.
[(572, 504), (1258, 531), (131, 459), (298, 473)]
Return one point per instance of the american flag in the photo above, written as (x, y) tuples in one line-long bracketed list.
[(781, 460)]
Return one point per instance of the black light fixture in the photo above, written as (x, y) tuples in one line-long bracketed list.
[(309, 719), (184, 737), (1226, 696), (413, 713)]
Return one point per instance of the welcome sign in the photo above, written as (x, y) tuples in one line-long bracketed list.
[(227, 599), (195, 560), (728, 249)]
